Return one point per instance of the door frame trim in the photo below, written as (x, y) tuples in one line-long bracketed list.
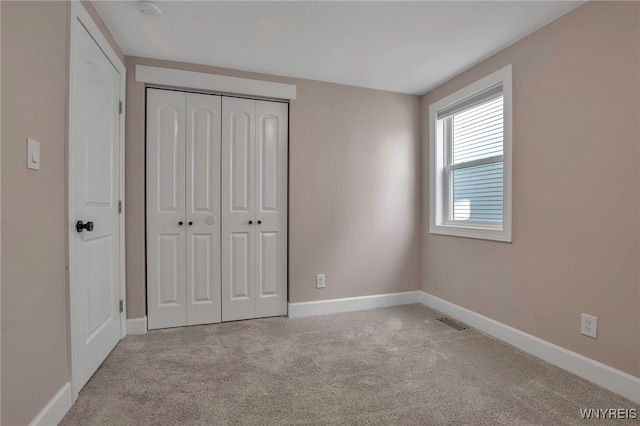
[(77, 12)]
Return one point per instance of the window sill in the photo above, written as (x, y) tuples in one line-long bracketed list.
[(503, 235)]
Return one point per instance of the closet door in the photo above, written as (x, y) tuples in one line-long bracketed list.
[(203, 208), (271, 208), (166, 256), (254, 208), (238, 199)]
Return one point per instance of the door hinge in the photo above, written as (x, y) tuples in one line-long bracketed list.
[(121, 306), (120, 107), (119, 206)]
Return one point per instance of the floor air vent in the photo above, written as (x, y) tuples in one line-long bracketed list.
[(452, 323)]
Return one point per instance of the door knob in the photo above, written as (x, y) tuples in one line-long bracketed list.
[(259, 222), (180, 223), (80, 226), (250, 222)]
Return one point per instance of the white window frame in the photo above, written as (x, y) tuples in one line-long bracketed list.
[(439, 191)]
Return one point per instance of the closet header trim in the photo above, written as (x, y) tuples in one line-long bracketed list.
[(213, 82)]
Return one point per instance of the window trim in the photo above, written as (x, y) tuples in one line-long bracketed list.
[(438, 223)]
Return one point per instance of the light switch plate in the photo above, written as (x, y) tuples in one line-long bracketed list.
[(33, 154)]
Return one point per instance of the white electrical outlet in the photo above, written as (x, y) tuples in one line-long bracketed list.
[(320, 281), (589, 326)]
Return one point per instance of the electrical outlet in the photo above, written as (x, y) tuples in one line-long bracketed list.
[(320, 281), (589, 326)]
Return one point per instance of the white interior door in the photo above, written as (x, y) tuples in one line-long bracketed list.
[(203, 208), (166, 207), (271, 208), (94, 176), (183, 208), (254, 208), (238, 201)]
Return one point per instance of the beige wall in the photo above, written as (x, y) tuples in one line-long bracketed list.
[(353, 195), (34, 296), (575, 191)]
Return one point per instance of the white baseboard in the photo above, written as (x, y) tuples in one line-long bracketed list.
[(55, 410), (136, 326), (601, 374), (333, 306)]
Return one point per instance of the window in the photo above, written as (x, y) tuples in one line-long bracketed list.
[(470, 160)]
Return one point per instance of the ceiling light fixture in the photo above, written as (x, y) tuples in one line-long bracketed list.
[(149, 9)]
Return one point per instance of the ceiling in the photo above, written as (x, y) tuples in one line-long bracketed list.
[(407, 47)]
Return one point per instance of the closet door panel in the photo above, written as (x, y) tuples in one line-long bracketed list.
[(203, 208), (240, 266), (166, 264), (240, 163), (268, 274), (271, 208), (238, 208)]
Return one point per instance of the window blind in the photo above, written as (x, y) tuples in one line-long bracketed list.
[(477, 134), (470, 102), (477, 193)]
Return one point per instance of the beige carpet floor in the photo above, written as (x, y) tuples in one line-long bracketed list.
[(386, 366)]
